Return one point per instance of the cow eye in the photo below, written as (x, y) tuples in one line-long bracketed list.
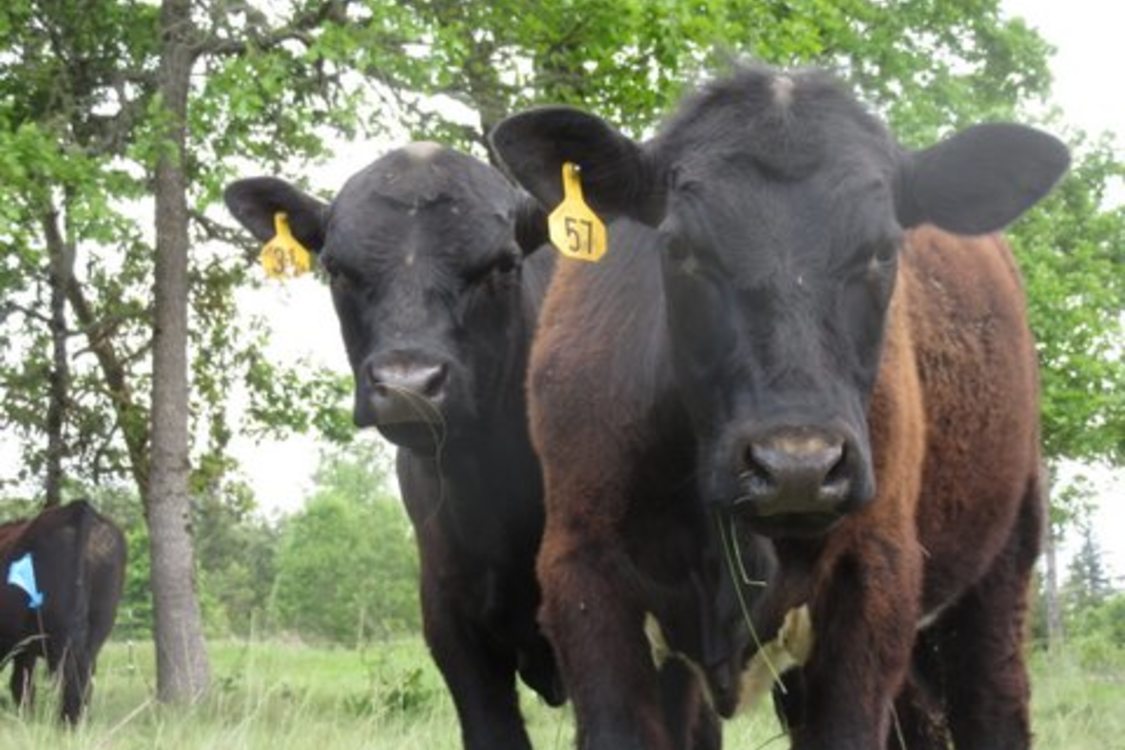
[(505, 264), (883, 253), (500, 268), (677, 250), (332, 267), (340, 277)]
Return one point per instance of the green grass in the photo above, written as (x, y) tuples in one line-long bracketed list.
[(1076, 704), (277, 696)]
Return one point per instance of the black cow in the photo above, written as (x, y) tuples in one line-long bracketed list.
[(823, 370), (437, 290), (78, 559)]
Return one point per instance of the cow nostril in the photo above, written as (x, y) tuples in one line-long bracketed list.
[(795, 466), (755, 474), (377, 381), (433, 381), (838, 472), (427, 381)]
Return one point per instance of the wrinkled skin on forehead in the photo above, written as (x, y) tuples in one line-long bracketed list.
[(857, 386)]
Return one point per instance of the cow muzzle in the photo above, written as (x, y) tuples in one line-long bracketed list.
[(401, 394), (796, 481)]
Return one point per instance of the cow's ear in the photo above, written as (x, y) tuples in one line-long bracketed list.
[(618, 178), (980, 179), (256, 200), (531, 224)]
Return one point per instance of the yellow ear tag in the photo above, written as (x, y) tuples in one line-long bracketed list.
[(574, 228), (283, 255)]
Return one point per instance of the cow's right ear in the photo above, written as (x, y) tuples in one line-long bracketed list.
[(256, 200), (618, 178)]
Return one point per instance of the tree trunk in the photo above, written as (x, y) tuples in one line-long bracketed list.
[(183, 671), (61, 255), (1055, 633)]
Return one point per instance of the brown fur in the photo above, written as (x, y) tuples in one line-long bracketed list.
[(954, 528), (621, 539)]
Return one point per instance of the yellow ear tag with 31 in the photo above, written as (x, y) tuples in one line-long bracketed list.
[(574, 228), (284, 255)]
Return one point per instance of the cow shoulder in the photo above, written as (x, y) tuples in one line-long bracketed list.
[(600, 360)]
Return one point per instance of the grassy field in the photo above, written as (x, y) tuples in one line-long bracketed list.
[(278, 696)]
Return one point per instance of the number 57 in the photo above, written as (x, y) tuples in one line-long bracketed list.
[(575, 229)]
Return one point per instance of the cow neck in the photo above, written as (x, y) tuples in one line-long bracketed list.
[(487, 496)]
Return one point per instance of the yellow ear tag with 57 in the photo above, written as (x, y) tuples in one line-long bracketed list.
[(284, 254), (574, 228)]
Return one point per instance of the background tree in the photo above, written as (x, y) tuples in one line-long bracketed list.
[(237, 552), (96, 102), (347, 567), (1088, 585), (183, 671)]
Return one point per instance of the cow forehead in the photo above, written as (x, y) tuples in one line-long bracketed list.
[(784, 126), (764, 164), (442, 231), (420, 174), (752, 220), (426, 195)]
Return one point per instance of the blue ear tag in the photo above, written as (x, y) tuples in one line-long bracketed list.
[(22, 574)]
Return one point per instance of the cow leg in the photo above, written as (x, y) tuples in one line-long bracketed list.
[(594, 616), (692, 724), (23, 679), (918, 722), (479, 675), (76, 668), (864, 617), (708, 733), (982, 648)]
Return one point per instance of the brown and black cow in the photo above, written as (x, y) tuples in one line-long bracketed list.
[(810, 348), (61, 574), (431, 263)]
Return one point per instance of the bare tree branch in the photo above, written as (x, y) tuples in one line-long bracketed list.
[(130, 416), (216, 231), (295, 30)]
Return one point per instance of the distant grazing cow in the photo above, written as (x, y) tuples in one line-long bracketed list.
[(429, 255), (77, 559), (828, 370)]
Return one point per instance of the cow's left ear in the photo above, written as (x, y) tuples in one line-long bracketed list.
[(980, 179), (618, 178), (256, 200)]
